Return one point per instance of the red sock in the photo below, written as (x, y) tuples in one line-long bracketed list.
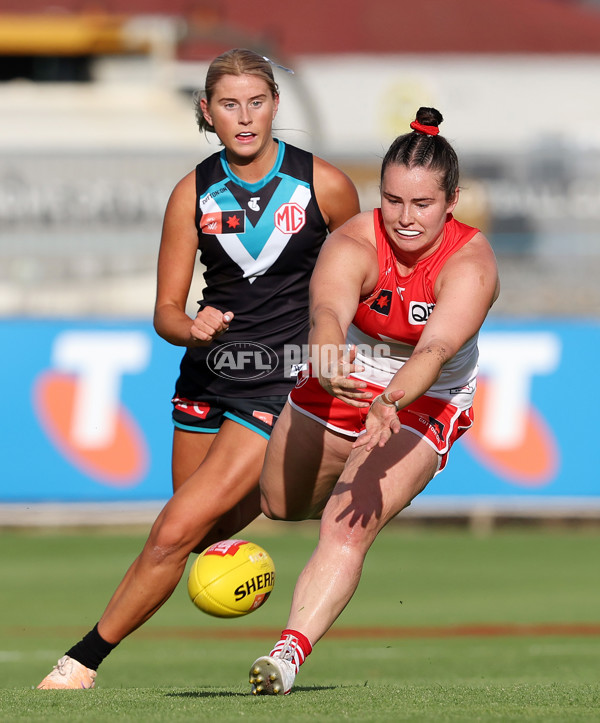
[(293, 646)]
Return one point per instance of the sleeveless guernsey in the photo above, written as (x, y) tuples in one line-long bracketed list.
[(259, 243), (393, 316)]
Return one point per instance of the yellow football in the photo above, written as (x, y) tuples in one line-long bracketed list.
[(231, 578)]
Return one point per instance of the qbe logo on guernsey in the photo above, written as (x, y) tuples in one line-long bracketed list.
[(242, 360), (419, 312)]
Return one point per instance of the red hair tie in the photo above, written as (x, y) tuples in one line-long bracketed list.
[(427, 130)]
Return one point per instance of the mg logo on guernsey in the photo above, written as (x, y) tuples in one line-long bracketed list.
[(78, 402), (510, 437), (290, 218)]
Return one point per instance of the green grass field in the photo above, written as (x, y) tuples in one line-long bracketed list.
[(445, 626)]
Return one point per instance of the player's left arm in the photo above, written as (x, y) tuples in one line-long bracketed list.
[(465, 290), (337, 196)]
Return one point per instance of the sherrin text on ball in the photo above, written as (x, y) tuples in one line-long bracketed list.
[(231, 578)]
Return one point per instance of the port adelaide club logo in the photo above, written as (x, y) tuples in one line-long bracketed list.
[(242, 360)]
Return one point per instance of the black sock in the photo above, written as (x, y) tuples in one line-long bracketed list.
[(91, 650)]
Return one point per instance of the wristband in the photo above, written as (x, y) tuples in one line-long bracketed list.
[(383, 399)]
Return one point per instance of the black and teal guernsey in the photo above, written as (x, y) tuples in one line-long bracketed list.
[(259, 243)]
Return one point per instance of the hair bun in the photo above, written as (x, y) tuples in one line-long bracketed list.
[(427, 121), (429, 116)]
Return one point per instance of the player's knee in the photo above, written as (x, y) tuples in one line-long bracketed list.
[(168, 540), (348, 534), (280, 510), (271, 511)]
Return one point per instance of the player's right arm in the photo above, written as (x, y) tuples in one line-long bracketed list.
[(176, 261), (346, 269)]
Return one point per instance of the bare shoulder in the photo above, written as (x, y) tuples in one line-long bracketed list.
[(358, 231), (327, 173), (336, 193), (179, 220), (353, 243), (475, 260), (181, 206), (479, 251), (185, 188), (348, 258)]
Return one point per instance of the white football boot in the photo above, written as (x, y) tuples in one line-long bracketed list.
[(69, 674), (272, 676)]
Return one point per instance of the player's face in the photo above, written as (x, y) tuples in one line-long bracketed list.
[(241, 111), (414, 209)]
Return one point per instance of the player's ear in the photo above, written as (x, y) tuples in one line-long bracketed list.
[(275, 105), (453, 201), (205, 111)]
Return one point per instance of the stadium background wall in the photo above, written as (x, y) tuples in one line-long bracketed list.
[(87, 418)]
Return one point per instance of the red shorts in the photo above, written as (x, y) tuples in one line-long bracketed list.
[(439, 423)]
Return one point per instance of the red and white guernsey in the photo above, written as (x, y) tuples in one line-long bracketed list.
[(389, 322)]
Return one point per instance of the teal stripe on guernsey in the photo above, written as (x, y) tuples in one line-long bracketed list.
[(253, 187)]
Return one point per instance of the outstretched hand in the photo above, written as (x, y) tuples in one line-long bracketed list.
[(382, 421), (334, 378), (209, 324)]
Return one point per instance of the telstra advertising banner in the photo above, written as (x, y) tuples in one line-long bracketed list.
[(86, 414)]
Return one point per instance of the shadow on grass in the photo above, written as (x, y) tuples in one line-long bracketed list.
[(230, 694)]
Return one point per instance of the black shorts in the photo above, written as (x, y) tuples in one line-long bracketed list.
[(256, 413)]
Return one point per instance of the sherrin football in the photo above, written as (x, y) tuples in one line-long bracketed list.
[(231, 578)]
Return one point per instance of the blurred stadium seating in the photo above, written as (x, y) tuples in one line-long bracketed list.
[(95, 101)]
